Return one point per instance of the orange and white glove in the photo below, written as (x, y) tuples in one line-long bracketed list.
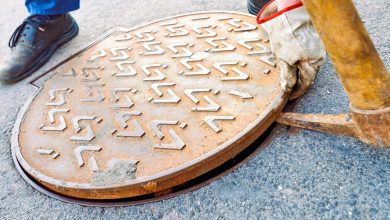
[(296, 45)]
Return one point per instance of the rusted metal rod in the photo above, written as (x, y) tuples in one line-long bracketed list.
[(362, 73)]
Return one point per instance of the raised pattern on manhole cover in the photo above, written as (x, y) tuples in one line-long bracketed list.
[(149, 108)]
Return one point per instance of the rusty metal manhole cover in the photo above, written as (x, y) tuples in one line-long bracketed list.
[(145, 109)]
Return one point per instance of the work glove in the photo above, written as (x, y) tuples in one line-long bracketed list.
[(296, 45)]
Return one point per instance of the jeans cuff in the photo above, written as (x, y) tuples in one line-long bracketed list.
[(38, 11)]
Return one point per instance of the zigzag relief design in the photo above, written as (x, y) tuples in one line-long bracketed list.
[(177, 143), (241, 75), (211, 107), (176, 30), (152, 48), (243, 95), (218, 47), (90, 74), (145, 36), (173, 97), (122, 119), (94, 94), (49, 152), (101, 54), (70, 73), (51, 116), (202, 69), (78, 151), (263, 49), (124, 37), (127, 103), (160, 75), (241, 26), (89, 135), (186, 52), (201, 29), (120, 53), (264, 53), (57, 96), (125, 69), (210, 121)]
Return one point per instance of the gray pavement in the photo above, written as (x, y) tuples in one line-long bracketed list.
[(300, 174)]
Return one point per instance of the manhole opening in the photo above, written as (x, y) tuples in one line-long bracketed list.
[(186, 187)]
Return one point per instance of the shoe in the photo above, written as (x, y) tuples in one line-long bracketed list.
[(33, 43), (254, 6)]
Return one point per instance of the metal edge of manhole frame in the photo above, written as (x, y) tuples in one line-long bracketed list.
[(266, 119)]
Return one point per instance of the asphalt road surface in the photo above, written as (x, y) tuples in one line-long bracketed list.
[(299, 174)]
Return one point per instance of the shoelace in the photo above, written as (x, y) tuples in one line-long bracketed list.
[(19, 30)]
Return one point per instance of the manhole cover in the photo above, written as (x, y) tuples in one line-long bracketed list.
[(145, 109)]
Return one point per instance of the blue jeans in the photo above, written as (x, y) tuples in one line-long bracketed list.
[(51, 7)]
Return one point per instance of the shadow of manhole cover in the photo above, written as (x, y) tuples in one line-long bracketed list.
[(146, 109)]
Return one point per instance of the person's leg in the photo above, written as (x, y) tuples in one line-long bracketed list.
[(51, 7), (35, 40)]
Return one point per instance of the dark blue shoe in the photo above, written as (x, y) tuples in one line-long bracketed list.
[(33, 43), (254, 6)]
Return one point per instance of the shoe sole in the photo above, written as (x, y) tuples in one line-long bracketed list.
[(45, 55)]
